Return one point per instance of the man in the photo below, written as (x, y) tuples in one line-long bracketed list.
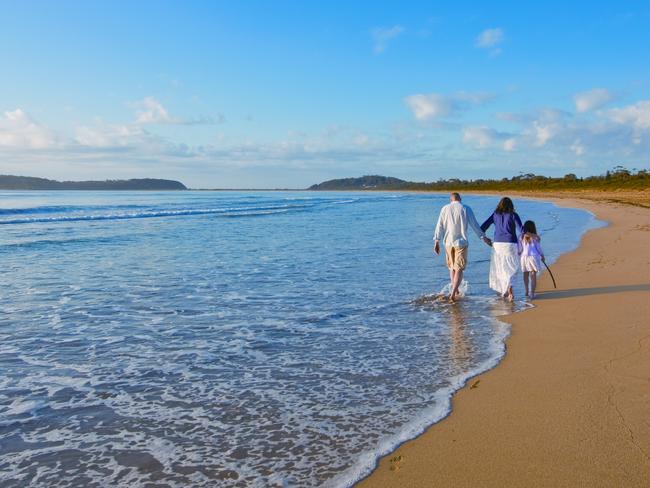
[(452, 226)]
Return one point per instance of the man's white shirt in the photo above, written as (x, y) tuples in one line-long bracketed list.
[(452, 225)]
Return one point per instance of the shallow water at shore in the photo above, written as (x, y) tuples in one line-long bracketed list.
[(233, 338)]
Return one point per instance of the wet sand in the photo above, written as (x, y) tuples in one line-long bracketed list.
[(569, 406)]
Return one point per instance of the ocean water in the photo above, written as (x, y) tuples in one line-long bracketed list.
[(234, 338)]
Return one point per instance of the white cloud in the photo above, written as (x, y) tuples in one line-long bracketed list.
[(592, 99), (510, 144), (383, 35), (18, 129), (361, 140), (577, 147), (436, 105), (556, 136), (107, 136), (151, 111), (542, 133), (480, 137), (636, 116), (431, 106), (490, 39)]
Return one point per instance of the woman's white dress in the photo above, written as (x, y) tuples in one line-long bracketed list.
[(504, 265)]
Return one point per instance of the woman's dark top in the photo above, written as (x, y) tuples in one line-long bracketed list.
[(506, 226)]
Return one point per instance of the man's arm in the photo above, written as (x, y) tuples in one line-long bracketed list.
[(440, 230), (440, 226), (471, 220)]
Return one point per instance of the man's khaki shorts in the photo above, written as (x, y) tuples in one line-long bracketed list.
[(456, 258)]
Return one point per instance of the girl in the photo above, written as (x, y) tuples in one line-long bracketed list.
[(504, 263), (532, 256)]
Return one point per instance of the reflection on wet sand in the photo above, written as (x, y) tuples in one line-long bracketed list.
[(458, 318), (460, 348), (500, 306)]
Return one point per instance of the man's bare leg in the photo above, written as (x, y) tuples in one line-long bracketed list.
[(455, 284)]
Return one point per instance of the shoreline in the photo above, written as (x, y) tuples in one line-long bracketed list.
[(567, 404)]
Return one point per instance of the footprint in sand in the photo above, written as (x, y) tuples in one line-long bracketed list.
[(396, 463)]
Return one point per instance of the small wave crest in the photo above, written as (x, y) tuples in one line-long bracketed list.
[(229, 211)]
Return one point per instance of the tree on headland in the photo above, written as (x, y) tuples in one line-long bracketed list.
[(618, 177)]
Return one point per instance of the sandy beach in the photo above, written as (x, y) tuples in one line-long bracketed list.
[(570, 403)]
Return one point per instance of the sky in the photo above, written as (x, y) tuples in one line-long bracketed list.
[(284, 94)]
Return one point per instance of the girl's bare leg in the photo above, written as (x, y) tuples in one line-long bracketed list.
[(526, 281), (533, 283)]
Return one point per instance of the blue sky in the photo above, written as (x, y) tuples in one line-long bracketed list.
[(285, 94)]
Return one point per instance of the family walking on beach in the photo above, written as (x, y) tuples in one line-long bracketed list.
[(513, 245)]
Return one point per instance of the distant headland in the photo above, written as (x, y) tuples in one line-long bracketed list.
[(10, 182), (369, 182)]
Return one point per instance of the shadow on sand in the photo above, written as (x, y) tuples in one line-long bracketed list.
[(581, 292)]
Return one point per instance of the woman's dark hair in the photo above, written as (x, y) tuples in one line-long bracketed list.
[(529, 226), (505, 206)]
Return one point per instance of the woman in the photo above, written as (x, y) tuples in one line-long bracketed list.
[(505, 258)]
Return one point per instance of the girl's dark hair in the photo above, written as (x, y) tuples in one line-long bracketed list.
[(529, 226), (505, 206)]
